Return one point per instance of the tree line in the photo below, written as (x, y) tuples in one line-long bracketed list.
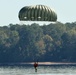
[(25, 43)]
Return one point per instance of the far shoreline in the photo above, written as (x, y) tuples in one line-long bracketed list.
[(40, 64)]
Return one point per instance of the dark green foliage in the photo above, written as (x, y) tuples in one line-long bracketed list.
[(53, 42)]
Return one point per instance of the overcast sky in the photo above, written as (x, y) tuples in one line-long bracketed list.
[(9, 9)]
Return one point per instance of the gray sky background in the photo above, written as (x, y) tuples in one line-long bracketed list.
[(9, 9)]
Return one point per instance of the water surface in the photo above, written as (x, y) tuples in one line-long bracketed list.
[(41, 70)]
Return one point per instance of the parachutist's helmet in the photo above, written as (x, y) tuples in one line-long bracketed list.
[(37, 13)]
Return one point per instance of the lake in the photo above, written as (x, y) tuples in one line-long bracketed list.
[(41, 70)]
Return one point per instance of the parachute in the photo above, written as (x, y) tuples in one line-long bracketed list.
[(37, 13)]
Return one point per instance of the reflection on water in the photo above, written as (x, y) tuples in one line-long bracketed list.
[(47, 70)]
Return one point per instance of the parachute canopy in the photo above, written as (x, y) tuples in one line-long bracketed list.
[(37, 13)]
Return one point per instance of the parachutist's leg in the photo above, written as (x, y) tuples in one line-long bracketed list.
[(35, 69)]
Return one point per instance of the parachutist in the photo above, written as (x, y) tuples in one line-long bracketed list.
[(35, 66)]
